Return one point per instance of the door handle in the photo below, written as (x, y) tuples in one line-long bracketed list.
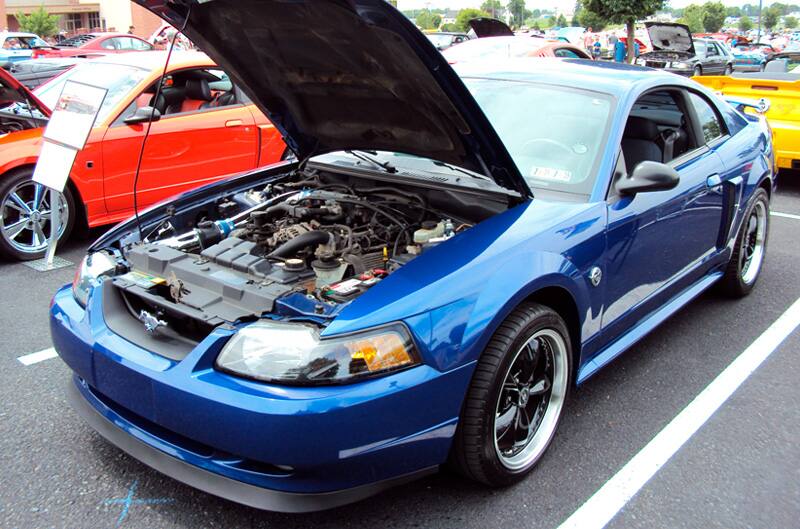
[(713, 181), (233, 123)]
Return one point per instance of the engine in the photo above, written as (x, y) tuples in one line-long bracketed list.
[(301, 250)]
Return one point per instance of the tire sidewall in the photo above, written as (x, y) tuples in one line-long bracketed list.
[(8, 182), (759, 196), (496, 470)]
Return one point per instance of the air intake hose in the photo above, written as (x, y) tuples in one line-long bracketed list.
[(310, 238)]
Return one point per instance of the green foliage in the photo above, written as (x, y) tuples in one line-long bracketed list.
[(451, 27), (561, 21), (769, 17), (518, 12), (733, 12), (428, 20), (789, 22), (713, 16), (745, 23), (39, 22), (589, 19), (693, 17), (494, 8), (623, 11), (465, 15)]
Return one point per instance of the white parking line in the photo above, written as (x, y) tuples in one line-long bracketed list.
[(612, 497), (41, 356), (784, 215)]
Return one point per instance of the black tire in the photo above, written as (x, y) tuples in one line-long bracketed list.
[(476, 451), (739, 279), (11, 247), (698, 70), (728, 70)]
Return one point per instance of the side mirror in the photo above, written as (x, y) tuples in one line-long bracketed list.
[(648, 176), (142, 115)]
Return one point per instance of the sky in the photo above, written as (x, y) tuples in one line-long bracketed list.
[(543, 4)]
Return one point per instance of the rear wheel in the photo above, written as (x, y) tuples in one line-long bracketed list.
[(748, 256), (516, 397), (25, 213), (698, 70), (728, 70)]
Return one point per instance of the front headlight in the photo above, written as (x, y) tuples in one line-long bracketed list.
[(293, 353), (681, 65), (91, 268), (641, 62)]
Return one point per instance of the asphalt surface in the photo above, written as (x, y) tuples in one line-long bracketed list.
[(741, 469)]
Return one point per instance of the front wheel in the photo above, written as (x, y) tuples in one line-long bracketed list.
[(728, 70), (748, 256), (25, 212), (516, 397), (698, 70)]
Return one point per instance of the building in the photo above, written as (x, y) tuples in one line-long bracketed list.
[(81, 16)]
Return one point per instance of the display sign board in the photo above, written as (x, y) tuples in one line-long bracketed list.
[(67, 130)]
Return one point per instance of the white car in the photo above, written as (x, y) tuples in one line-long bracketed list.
[(16, 46)]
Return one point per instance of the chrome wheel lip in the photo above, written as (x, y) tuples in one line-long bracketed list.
[(540, 437), (25, 216), (753, 243)]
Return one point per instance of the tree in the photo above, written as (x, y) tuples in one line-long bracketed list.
[(38, 22), (589, 19), (626, 12), (428, 20), (734, 12), (745, 23), (518, 11), (494, 8), (713, 16), (693, 17), (769, 17), (465, 15), (561, 21), (789, 22)]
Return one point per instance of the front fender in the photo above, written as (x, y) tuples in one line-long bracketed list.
[(19, 149)]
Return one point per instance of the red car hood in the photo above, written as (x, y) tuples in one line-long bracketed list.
[(11, 91)]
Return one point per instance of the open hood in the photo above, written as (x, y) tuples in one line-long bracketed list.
[(667, 36), (11, 91), (345, 74), (490, 27)]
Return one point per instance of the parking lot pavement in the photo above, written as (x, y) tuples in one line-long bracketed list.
[(739, 470)]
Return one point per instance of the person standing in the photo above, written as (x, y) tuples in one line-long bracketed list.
[(588, 40), (620, 51)]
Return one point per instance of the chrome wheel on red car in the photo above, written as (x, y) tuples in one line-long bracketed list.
[(25, 214)]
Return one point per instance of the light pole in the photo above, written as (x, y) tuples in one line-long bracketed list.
[(758, 37)]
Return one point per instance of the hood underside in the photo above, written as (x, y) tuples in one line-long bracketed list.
[(11, 91), (345, 74), (670, 37), (490, 27)]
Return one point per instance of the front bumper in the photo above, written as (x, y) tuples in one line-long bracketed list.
[(273, 447), (114, 428)]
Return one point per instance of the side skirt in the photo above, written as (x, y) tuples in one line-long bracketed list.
[(641, 329)]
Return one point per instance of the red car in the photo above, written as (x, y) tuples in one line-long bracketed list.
[(206, 128), (94, 45)]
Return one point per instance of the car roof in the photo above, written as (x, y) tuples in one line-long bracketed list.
[(611, 78), (149, 60)]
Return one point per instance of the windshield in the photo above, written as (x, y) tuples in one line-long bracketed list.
[(556, 145), (119, 80)]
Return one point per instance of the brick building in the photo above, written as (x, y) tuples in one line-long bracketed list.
[(79, 16)]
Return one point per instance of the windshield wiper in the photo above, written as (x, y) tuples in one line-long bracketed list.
[(386, 166), (464, 171)]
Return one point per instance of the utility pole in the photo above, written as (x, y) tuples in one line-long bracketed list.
[(758, 37)]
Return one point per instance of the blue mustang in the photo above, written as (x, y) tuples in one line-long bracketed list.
[(448, 255)]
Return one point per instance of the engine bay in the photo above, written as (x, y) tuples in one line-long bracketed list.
[(301, 248)]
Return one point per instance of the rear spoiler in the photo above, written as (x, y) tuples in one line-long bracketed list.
[(761, 106)]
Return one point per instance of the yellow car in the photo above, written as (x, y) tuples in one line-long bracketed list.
[(779, 86)]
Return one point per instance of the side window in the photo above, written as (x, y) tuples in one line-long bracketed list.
[(141, 45), (712, 49), (109, 44), (566, 53), (710, 122)]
